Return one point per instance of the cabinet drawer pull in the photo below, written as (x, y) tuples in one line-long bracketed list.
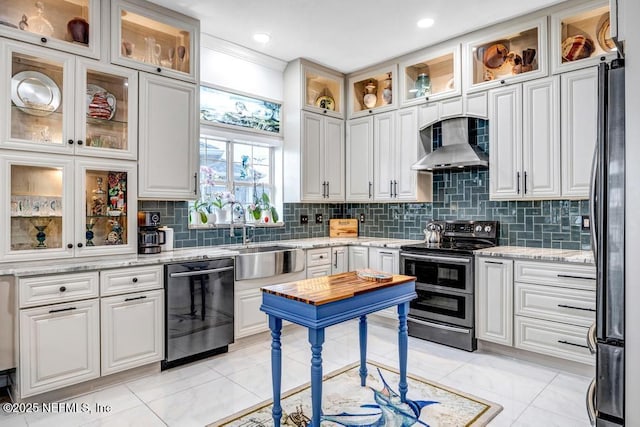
[(195, 183), (569, 276), (571, 343), (518, 181), (493, 262), (370, 185), (577, 308), (525, 183), (63, 288), (62, 309), (134, 298), (134, 280)]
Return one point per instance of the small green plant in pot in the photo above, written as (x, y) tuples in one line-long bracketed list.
[(262, 204), (199, 212)]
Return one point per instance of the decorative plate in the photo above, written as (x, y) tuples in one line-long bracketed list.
[(326, 102), (35, 93), (100, 103)]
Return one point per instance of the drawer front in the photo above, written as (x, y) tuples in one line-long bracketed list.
[(42, 290), (575, 276), (124, 280), (572, 306), (320, 256), (553, 339)]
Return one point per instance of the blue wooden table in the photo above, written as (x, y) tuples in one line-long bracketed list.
[(325, 301)]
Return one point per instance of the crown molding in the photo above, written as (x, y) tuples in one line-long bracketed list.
[(219, 45)]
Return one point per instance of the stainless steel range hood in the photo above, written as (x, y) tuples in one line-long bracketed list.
[(456, 151)]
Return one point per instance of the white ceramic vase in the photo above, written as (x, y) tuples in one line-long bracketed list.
[(222, 215), (211, 218)]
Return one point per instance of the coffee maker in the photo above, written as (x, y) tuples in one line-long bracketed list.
[(149, 237)]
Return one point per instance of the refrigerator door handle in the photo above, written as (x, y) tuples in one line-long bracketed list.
[(592, 204), (591, 402), (591, 338)]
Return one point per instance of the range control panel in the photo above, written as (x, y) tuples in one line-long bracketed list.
[(470, 229)]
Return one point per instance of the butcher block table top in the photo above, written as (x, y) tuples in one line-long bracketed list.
[(326, 289)]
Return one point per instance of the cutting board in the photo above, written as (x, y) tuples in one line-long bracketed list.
[(343, 227)]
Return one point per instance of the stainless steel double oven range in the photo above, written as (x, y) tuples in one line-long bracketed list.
[(444, 309)]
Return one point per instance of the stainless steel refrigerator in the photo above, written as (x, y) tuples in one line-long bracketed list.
[(605, 397)]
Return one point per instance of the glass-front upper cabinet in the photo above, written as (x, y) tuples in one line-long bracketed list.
[(158, 41), (58, 103), (373, 91), (513, 54), (105, 205), (430, 75), (37, 201), (580, 37), (69, 25), (55, 206), (322, 91), (106, 111)]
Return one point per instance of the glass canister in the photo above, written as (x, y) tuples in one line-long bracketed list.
[(423, 85)]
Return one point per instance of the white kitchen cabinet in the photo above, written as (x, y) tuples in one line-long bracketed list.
[(372, 91), (494, 300), (471, 105), (322, 164), (314, 88), (524, 161), (340, 260), (168, 139), (388, 261), (383, 259), (62, 120), (58, 206), (358, 257), (83, 14), (359, 175), (132, 330), (327, 261), (150, 38), (249, 319), (579, 111), (59, 346), (395, 148)]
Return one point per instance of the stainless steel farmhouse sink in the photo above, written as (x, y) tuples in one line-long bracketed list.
[(267, 261)]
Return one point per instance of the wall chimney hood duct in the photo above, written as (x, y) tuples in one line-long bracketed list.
[(456, 151)]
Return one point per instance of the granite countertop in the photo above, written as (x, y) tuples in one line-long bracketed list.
[(21, 269), (541, 254)]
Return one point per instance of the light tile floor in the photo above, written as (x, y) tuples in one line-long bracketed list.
[(208, 390)]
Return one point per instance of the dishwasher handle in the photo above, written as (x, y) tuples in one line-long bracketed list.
[(200, 272)]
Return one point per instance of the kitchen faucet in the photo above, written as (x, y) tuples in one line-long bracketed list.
[(243, 223)]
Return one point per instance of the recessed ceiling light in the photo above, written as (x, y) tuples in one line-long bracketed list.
[(262, 37), (425, 23)]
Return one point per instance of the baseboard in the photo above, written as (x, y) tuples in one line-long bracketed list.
[(540, 359)]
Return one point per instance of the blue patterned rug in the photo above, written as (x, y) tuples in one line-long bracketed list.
[(345, 403)]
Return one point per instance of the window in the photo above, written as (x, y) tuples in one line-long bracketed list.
[(242, 169)]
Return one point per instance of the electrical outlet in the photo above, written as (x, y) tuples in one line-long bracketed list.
[(361, 218), (319, 218), (304, 219), (586, 222)]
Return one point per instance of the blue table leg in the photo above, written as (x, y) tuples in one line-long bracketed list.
[(363, 351), (403, 341), (316, 338), (275, 324)]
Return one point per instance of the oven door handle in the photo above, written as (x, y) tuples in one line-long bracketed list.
[(439, 326), (435, 258)]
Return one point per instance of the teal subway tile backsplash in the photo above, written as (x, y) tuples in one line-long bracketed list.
[(456, 195)]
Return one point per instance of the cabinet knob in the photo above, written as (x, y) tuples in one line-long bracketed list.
[(370, 111), (602, 58), (79, 245), (79, 142), (70, 245), (63, 288), (43, 39), (70, 141), (134, 280), (426, 98), (502, 82), (324, 111), (158, 69)]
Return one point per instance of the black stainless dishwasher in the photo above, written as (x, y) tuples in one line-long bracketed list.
[(199, 310)]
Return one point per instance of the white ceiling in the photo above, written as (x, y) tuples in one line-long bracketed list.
[(346, 35)]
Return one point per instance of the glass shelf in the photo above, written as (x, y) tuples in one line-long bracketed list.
[(322, 91), (430, 75)]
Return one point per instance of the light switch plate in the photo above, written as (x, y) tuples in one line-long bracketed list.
[(361, 218), (304, 219), (319, 219)]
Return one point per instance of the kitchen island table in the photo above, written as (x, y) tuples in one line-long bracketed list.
[(320, 302)]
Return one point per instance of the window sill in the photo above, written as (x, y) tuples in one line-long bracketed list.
[(236, 225)]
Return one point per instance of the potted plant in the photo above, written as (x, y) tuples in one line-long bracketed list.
[(198, 212), (261, 209), (220, 200)]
